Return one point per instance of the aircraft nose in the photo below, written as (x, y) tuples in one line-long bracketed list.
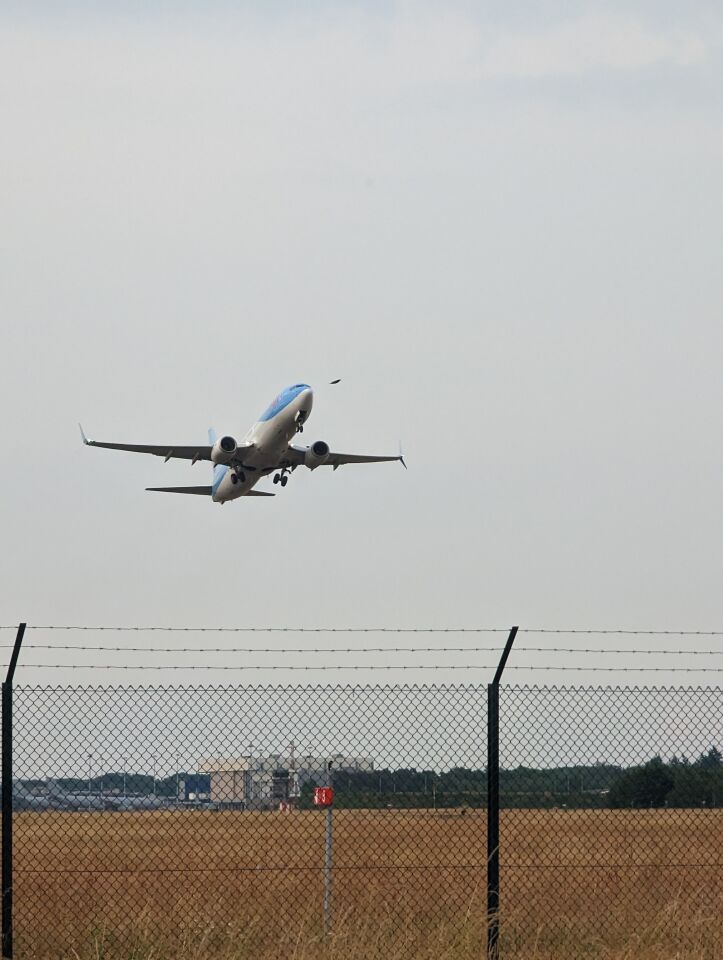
[(307, 399)]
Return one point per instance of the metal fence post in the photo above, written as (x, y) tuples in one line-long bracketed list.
[(493, 803), (7, 799)]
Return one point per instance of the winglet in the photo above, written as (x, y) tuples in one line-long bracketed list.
[(86, 441), (401, 456)]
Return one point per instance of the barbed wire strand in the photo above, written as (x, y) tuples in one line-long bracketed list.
[(325, 650), (270, 629)]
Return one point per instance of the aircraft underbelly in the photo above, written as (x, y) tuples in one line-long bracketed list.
[(270, 440)]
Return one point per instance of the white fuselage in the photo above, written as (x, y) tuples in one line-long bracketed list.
[(270, 438)]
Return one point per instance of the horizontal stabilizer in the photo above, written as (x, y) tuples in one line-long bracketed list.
[(204, 491), (199, 491)]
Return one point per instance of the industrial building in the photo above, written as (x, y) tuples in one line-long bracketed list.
[(194, 788)]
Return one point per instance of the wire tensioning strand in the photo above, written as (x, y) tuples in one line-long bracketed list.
[(344, 667), (411, 867)]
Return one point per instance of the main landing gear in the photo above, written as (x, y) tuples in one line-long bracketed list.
[(281, 477)]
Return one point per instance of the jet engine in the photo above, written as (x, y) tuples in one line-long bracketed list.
[(224, 450), (316, 455)]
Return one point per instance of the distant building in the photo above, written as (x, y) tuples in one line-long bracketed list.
[(264, 782), (229, 781)]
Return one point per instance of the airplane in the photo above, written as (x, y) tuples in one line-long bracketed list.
[(59, 798), (23, 799), (265, 449)]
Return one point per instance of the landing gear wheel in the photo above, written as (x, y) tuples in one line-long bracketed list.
[(284, 481), (277, 477)]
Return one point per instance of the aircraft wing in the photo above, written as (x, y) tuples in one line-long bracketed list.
[(297, 453), (167, 451), (338, 459)]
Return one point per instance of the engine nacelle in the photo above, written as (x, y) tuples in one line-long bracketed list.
[(224, 450), (316, 455)]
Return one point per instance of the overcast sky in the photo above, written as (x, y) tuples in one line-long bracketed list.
[(501, 225)]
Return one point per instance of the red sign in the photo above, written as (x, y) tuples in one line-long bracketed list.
[(323, 796)]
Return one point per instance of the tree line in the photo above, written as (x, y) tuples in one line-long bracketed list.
[(677, 783)]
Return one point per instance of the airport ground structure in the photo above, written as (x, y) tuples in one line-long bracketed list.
[(366, 820)]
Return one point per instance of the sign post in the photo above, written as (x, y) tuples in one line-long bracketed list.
[(324, 797)]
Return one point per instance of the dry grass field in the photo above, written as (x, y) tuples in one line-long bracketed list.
[(618, 885)]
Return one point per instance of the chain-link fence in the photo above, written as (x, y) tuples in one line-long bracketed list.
[(182, 820), (612, 822)]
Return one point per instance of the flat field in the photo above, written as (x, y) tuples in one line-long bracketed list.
[(234, 885)]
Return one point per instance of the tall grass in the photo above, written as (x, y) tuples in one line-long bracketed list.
[(372, 939), (160, 886)]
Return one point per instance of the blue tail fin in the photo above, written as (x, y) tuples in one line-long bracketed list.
[(212, 440)]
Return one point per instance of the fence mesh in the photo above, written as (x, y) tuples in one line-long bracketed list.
[(612, 828), (182, 820)]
